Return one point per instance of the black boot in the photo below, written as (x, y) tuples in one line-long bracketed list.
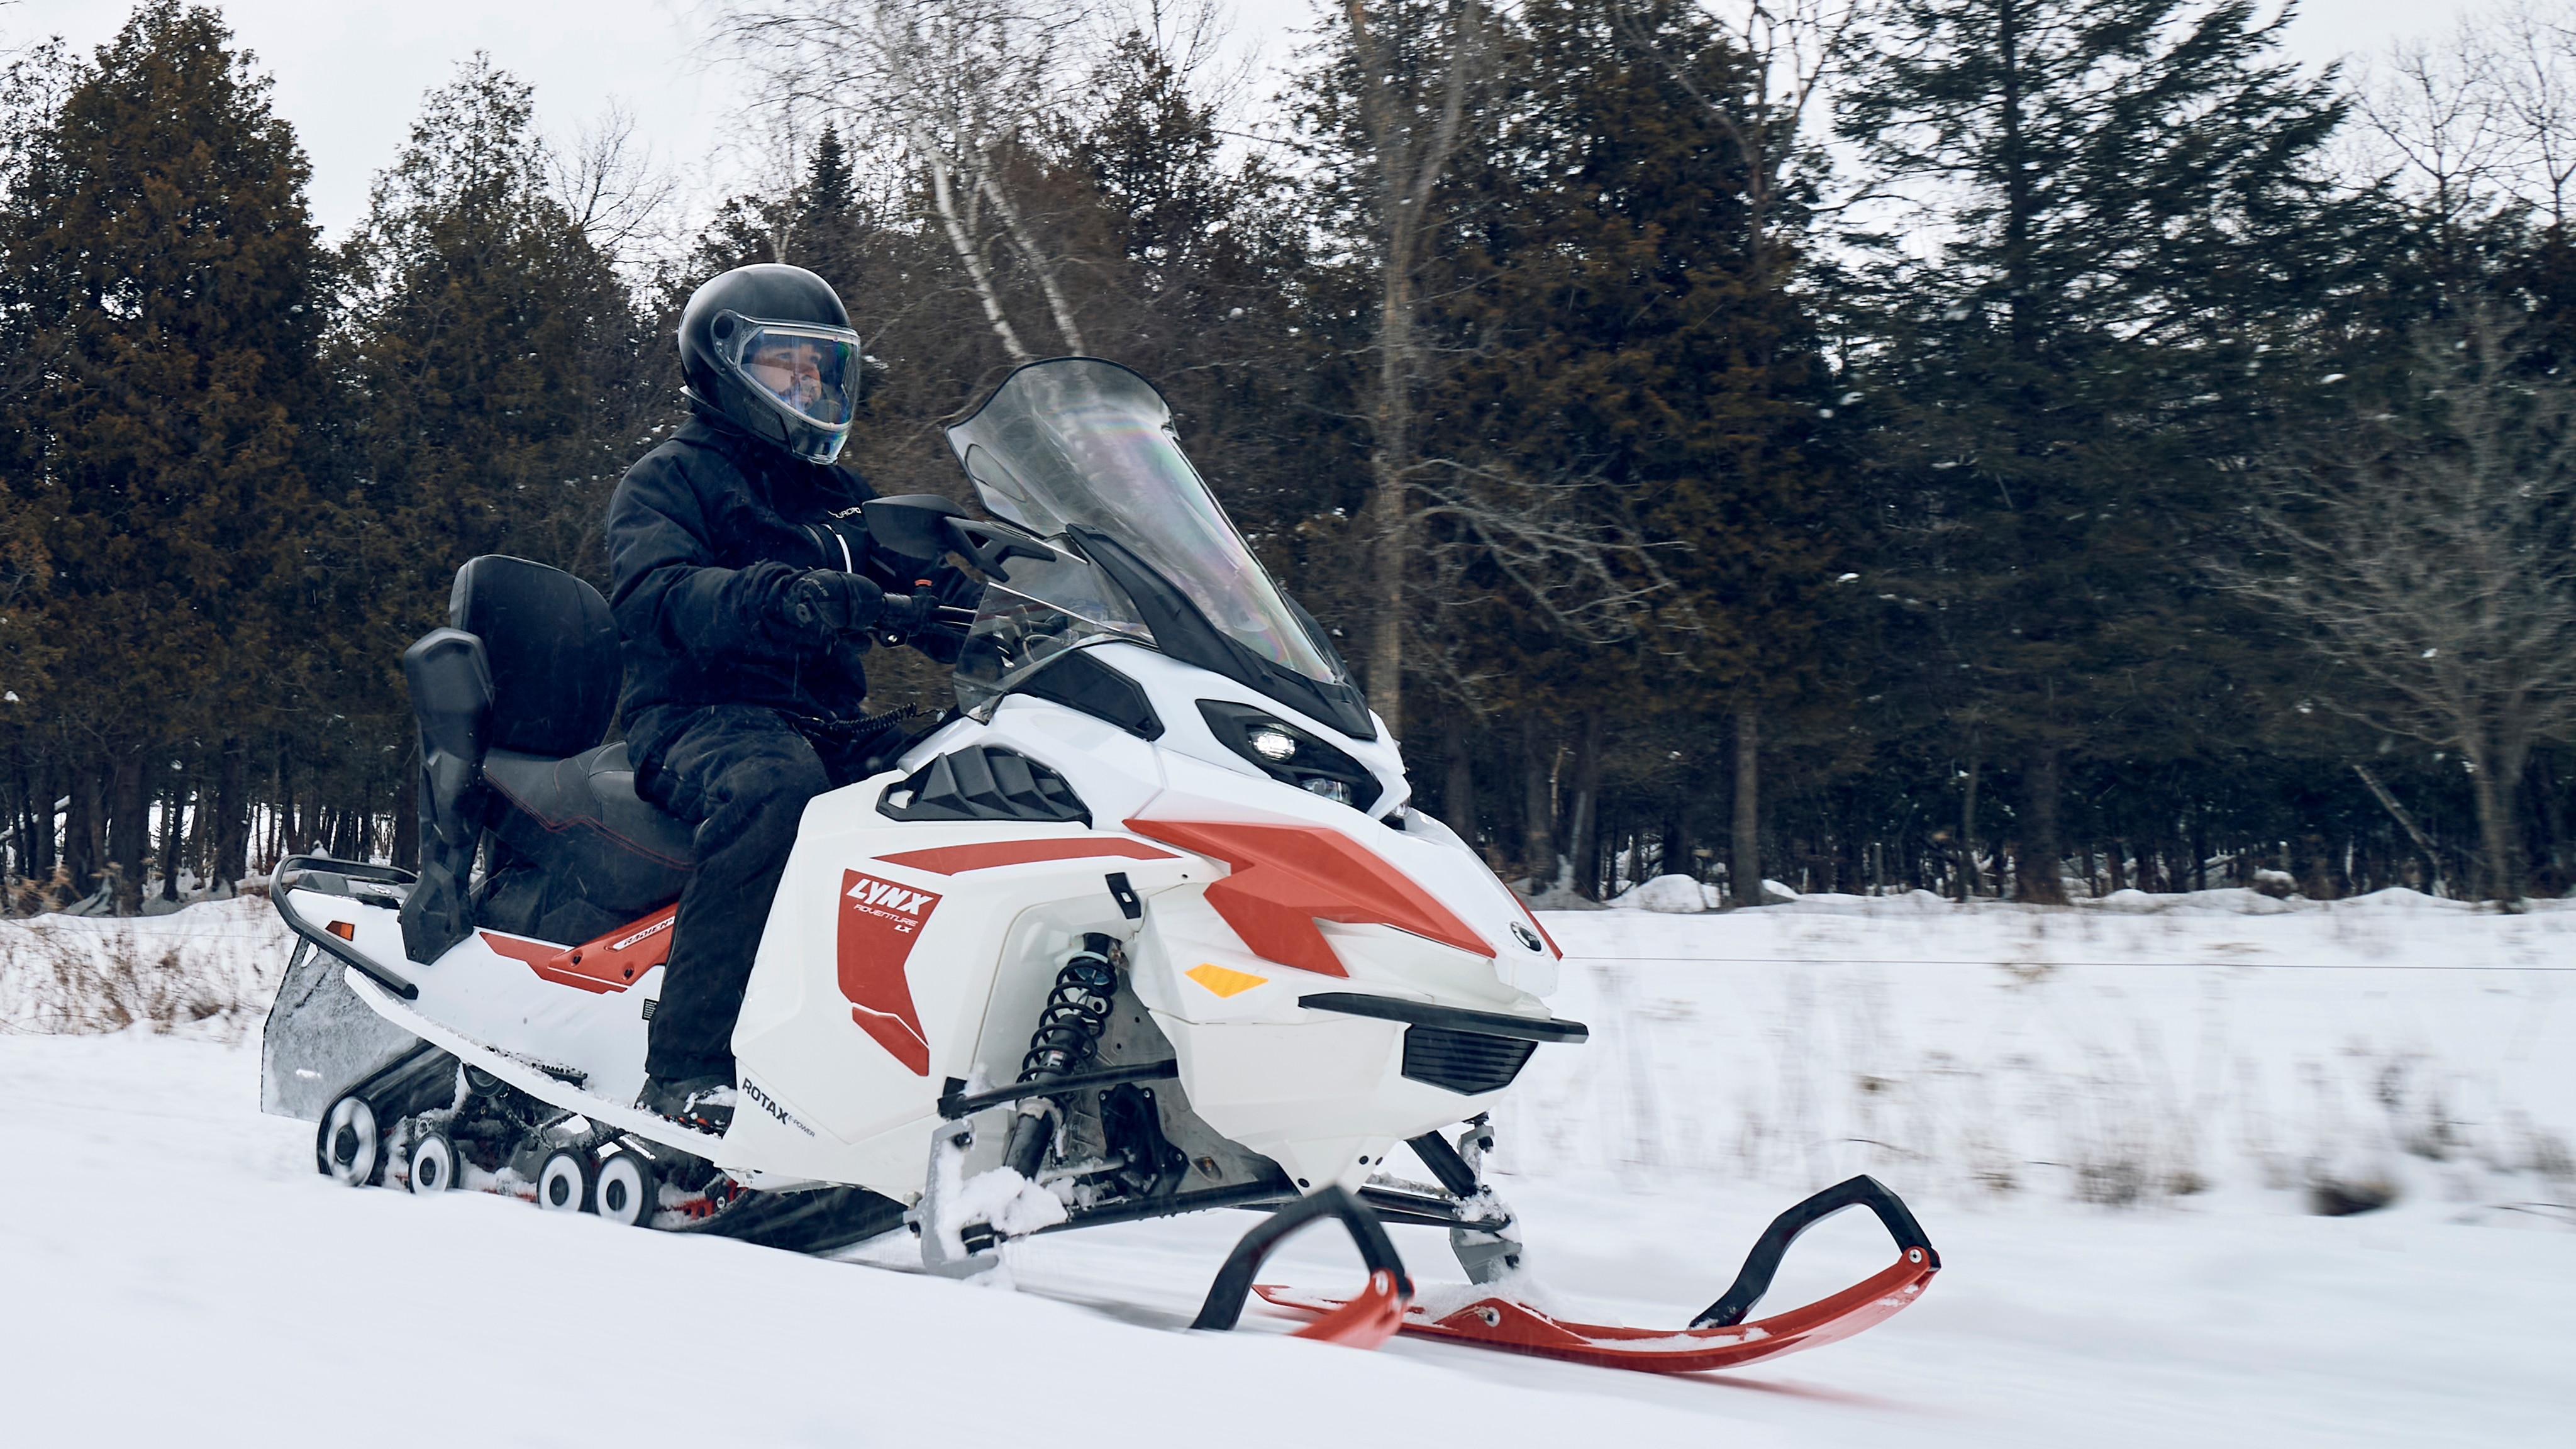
[(701, 1104)]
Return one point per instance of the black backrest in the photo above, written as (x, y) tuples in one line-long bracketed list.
[(552, 649)]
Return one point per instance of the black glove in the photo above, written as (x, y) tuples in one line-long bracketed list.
[(954, 596), (824, 605), (958, 591)]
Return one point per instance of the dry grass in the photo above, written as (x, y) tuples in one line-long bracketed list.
[(205, 972)]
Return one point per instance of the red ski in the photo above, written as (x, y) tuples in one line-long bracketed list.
[(1718, 1338)]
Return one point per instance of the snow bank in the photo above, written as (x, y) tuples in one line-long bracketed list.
[(2140, 1048), (206, 971), (1676, 895), (2385, 1048)]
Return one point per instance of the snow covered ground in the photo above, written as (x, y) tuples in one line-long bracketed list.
[(2113, 1125)]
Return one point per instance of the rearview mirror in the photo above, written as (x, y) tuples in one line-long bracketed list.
[(912, 525)]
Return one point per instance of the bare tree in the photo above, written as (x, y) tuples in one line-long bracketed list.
[(2434, 111), (608, 183), (1567, 545), (2533, 66), (1411, 94), (2426, 551), (961, 83), (2479, 118)]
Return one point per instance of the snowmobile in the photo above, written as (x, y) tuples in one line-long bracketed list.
[(1145, 925)]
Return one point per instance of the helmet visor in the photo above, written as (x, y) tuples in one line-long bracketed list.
[(812, 372)]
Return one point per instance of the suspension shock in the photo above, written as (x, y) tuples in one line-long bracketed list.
[(1069, 1030)]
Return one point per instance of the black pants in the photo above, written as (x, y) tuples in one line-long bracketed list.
[(742, 775)]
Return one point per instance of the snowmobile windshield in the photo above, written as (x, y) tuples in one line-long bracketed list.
[(810, 371), (1081, 451), (1048, 606)]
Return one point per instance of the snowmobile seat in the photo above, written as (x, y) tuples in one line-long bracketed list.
[(551, 647), (580, 819), (512, 700)]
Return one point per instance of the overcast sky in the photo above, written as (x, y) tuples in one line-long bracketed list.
[(350, 73)]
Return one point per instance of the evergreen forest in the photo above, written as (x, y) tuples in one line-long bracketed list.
[(2002, 448)]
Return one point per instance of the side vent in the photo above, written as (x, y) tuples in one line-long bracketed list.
[(1466, 1062), (984, 783), (1078, 681)]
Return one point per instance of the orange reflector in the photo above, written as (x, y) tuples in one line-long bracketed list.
[(345, 930), (1223, 982)]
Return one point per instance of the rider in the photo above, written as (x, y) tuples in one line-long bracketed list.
[(743, 598)]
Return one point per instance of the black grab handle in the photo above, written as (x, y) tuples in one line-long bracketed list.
[(1233, 1284), (1764, 1260), (332, 945)]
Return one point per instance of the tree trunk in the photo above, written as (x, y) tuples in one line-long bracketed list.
[(1677, 837), (82, 832), (174, 807), (232, 816), (2541, 784), (1411, 151), (1583, 846), (129, 824), (1458, 785), (1538, 815), (406, 843), (970, 256), (1971, 882), (2500, 875), (2038, 877), (1744, 863), (1389, 522), (47, 792)]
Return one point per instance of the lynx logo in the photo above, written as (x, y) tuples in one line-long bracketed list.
[(770, 1105), (880, 924), (891, 900)]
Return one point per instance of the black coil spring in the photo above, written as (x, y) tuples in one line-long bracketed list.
[(1075, 1015)]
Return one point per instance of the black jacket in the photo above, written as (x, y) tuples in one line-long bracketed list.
[(705, 534)]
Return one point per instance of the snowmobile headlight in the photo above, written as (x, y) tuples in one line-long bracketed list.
[(1291, 755)]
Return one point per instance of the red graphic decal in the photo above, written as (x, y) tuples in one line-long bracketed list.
[(959, 859), (1287, 877), (609, 963), (880, 924)]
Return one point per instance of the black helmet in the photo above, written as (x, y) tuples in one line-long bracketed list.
[(769, 348)]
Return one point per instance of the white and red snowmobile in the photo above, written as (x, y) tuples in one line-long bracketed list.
[(1145, 926)]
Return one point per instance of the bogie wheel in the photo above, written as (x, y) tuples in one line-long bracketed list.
[(626, 1190), (433, 1162), (349, 1146), (566, 1184)]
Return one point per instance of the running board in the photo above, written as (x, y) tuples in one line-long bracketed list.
[(536, 1082)]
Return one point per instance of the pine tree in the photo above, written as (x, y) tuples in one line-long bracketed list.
[(1619, 463), (830, 186), (497, 382), (2140, 217), (172, 296)]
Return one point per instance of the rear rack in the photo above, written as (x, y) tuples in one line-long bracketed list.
[(339, 949)]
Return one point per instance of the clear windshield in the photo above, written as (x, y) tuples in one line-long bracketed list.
[(1048, 607), (1080, 443)]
